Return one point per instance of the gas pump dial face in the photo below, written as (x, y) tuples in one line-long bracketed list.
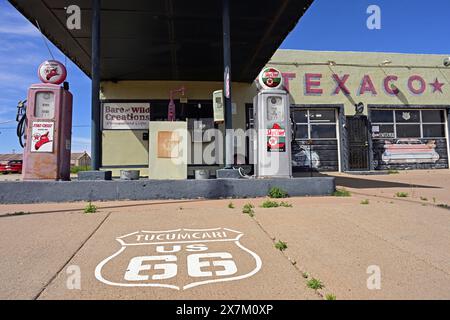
[(45, 105), (275, 109)]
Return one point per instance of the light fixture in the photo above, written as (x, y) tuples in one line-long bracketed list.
[(386, 62), (331, 63)]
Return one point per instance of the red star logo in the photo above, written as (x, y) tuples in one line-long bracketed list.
[(437, 86)]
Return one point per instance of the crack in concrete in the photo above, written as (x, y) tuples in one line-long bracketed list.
[(293, 263), (71, 257)]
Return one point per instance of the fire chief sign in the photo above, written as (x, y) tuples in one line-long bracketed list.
[(178, 259)]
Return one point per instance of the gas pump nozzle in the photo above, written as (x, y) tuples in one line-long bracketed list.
[(21, 119)]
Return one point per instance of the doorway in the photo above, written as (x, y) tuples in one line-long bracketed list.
[(358, 143)]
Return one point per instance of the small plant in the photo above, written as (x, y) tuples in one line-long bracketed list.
[(277, 193), (434, 200), (90, 208), (231, 205), (270, 204), (281, 245), (423, 199), (305, 275), (402, 195), (342, 193), (330, 296), (444, 206), (315, 284), (285, 204), (366, 201), (393, 171), (248, 209)]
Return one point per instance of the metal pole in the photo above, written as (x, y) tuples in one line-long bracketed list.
[(95, 74), (229, 145)]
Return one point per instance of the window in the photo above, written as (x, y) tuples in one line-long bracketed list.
[(382, 116), (433, 116), (392, 124), (315, 124), (433, 130), (407, 116)]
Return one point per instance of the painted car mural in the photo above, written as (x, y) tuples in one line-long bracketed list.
[(409, 151), (306, 158)]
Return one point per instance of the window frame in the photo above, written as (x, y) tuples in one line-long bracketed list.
[(308, 123), (420, 123)]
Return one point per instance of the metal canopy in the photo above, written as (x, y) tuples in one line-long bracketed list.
[(169, 39)]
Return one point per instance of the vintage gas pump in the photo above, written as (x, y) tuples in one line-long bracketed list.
[(49, 125), (272, 146)]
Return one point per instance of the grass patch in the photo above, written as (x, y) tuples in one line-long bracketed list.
[(423, 199), (402, 194), (315, 284), (274, 204), (277, 193), (231, 205), (248, 209), (342, 193), (90, 208), (281, 245), (78, 169), (330, 296), (305, 275), (444, 206), (393, 171), (366, 201), (270, 204)]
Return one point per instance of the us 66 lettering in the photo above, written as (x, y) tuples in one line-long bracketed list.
[(249, 309)]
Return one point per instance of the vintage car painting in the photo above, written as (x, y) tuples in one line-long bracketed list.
[(409, 151)]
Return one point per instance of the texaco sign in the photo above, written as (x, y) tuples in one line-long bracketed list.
[(178, 259)]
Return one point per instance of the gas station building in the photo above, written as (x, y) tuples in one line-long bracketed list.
[(350, 111)]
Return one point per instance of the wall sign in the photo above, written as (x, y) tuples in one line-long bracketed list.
[(126, 116), (42, 136), (178, 259), (52, 71)]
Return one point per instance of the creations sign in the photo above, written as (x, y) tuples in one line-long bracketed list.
[(178, 259), (126, 116)]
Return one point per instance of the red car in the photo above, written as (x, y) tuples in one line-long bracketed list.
[(13, 166)]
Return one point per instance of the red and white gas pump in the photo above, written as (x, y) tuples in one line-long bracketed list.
[(48, 129)]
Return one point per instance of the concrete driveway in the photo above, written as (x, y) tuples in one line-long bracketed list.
[(371, 245)]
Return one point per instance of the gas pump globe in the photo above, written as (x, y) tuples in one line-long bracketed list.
[(272, 146), (49, 126)]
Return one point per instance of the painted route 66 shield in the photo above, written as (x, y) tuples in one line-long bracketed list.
[(178, 259)]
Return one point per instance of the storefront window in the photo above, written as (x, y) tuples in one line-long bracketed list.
[(407, 116), (323, 131), (408, 131), (433, 130), (315, 124), (392, 124), (379, 116), (322, 116), (301, 132), (433, 116), (301, 116)]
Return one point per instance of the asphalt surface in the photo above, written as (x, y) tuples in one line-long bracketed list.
[(387, 247)]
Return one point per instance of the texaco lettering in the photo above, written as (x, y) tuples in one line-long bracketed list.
[(178, 259)]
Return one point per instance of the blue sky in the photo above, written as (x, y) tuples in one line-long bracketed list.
[(409, 26)]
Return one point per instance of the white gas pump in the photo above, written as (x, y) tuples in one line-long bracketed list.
[(272, 146)]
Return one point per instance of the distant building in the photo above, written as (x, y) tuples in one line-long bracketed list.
[(10, 157), (81, 159)]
